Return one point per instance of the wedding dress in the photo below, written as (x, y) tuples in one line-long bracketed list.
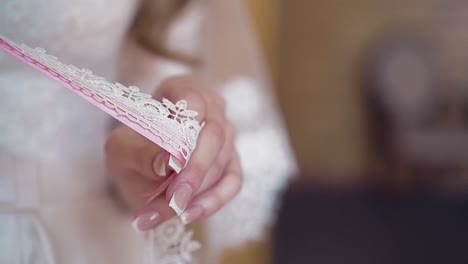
[(55, 206)]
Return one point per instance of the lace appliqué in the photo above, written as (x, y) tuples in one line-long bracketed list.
[(268, 165), (170, 244), (170, 125)]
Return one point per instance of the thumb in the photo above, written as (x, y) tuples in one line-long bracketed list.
[(127, 150)]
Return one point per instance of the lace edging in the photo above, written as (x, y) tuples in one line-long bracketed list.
[(170, 125), (170, 243)]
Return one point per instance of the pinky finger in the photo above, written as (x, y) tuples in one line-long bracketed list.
[(210, 201), (152, 215)]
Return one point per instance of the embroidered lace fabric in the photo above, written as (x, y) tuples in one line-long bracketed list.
[(170, 244), (170, 125), (267, 163), (72, 214)]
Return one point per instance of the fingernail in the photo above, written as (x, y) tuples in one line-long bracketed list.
[(146, 221), (174, 165), (158, 165), (181, 198), (191, 214)]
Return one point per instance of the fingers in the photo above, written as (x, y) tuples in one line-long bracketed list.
[(128, 150), (135, 163), (184, 88), (129, 186), (187, 183), (225, 155), (152, 215), (212, 176), (214, 145), (210, 201), (204, 205)]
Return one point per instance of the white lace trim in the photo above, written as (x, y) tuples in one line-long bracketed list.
[(168, 124), (268, 165), (169, 243)]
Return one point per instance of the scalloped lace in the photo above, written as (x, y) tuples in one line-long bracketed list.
[(89, 33), (170, 125), (170, 243)]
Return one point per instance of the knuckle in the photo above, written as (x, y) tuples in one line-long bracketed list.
[(230, 130), (217, 99), (217, 169), (221, 101), (173, 82), (233, 186), (219, 201), (186, 88), (195, 101), (235, 183), (213, 203), (196, 175)]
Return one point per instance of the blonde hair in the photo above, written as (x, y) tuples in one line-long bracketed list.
[(150, 27)]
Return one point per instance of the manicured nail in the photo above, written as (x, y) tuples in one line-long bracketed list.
[(158, 165), (146, 221), (174, 165), (191, 214), (181, 198)]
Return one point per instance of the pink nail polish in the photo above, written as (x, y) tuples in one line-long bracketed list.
[(174, 164), (191, 214), (180, 198), (146, 221)]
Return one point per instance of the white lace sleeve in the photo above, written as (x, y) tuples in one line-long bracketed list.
[(234, 64), (267, 163)]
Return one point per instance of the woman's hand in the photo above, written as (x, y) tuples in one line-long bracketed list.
[(209, 181)]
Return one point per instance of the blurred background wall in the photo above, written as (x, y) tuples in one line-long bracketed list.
[(265, 16), (309, 49), (314, 50)]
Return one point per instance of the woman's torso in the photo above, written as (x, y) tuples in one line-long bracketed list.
[(51, 172), (49, 121)]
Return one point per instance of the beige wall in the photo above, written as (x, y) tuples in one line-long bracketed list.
[(319, 44), (312, 47), (265, 14)]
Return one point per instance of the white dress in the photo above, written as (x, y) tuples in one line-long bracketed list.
[(55, 206)]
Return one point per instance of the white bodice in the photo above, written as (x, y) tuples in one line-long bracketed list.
[(86, 32), (38, 118), (51, 168), (51, 140)]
